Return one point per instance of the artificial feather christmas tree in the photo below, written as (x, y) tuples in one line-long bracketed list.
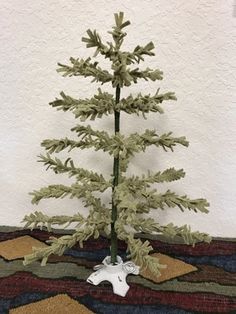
[(130, 196)]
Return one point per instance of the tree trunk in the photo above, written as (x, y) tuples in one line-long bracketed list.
[(115, 183)]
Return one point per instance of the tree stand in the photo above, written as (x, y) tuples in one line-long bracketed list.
[(115, 274)]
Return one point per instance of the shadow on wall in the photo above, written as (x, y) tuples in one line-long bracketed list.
[(234, 9)]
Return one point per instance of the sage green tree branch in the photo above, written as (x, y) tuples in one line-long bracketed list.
[(139, 251), (68, 166), (94, 40), (56, 146), (141, 198), (170, 231), (116, 144), (109, 51), (59, 245), (61, 191), (81, 67), (38, 219), (171, 199), (138, 183), (144, 104), (95, 107)]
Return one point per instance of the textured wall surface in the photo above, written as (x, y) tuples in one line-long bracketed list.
[(195, 47)]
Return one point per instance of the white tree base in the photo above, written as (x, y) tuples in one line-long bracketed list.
[(115, 274)]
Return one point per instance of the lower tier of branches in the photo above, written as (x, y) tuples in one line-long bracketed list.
[(91, 226), (138, 198), (98, 222)]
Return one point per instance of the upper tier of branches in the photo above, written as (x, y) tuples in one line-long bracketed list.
[(122, 75), (103, 103), (112, 51)]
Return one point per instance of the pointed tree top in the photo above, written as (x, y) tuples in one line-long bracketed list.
[(117, 32)]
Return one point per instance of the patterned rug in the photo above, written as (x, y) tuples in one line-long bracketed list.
[(197, 280)]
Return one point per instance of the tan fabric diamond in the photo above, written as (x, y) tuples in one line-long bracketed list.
[(18, 247), (60, 304), (175, 268)]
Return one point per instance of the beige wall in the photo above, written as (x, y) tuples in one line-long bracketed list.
[(195, 47)]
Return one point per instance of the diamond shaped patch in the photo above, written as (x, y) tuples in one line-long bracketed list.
[(60, 304), (175, 268), (19, 247)]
